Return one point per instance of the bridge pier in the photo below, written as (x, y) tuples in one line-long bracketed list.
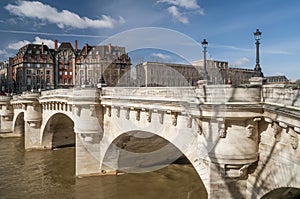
[(6, 116)]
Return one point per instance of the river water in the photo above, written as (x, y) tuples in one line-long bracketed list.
[(51, 174)]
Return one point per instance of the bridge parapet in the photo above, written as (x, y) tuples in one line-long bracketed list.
[(29, 102), (5, 107), (6, 114), (221, 94), (282, 94)]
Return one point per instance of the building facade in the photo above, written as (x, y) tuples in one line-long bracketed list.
[(106, 62), (167, 74), (6, 80), (65, 57), (33, 68), (220, 73)]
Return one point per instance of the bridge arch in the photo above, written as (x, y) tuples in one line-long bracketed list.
[(113, 144), (19, 124), (58, 131), (283, 192)]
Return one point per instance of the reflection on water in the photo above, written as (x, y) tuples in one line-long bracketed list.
[(50, 174)]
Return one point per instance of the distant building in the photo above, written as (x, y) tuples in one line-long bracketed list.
[(6, 80), (65, 57), (220, 73), (278, 79), (167, 74), (217, 70), (111, 63), (237, 76), (3, 77), (33, 68)]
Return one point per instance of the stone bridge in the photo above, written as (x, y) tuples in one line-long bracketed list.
[(242, 141)]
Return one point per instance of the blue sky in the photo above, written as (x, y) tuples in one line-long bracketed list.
[(228, 27)]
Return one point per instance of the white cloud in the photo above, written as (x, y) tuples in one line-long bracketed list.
[(44, 12), (18, 45), (177, 15), (242, 61), (187, 4), (4, 54), (48, 42), (160, 56), (38, 40)]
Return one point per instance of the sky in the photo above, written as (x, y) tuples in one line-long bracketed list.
[(163, 30)]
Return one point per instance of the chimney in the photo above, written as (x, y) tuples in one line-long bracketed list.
[(42, 47), (86, 49), (55, 44), (109, 48), (76, 45)]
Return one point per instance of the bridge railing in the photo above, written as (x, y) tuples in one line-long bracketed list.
[(222, 94), (62, 92), (282, 94), (171, 93), (5, 98)]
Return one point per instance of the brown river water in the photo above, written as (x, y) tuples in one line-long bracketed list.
[(51, 174)]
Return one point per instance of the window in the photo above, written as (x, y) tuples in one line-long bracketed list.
[(48, 72), (48, 65), (28, 72), (70, 73), (38, 65), (65, 81), (28, 80), (66, 72), (60, 72), (70, 81)]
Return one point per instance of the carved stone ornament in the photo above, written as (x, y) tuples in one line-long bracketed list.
[(243, 171), (161, 117), (127, 113), (92, 110), (148, 115), (236, 171), (118, 111), (138, 114), (189, 121), (222, 129), (250, 131), (222, 132), (108, 111), (277, 131), (293, 138), (174, 118), (78, 110), (199, 126)]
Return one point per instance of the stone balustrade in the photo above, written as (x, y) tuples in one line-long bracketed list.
[(283, 95)]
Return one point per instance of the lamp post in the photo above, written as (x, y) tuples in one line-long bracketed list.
[(257, 36), (204, 45)]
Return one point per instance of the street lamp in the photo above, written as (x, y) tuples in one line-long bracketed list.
[(204, 45), (257, 68)]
